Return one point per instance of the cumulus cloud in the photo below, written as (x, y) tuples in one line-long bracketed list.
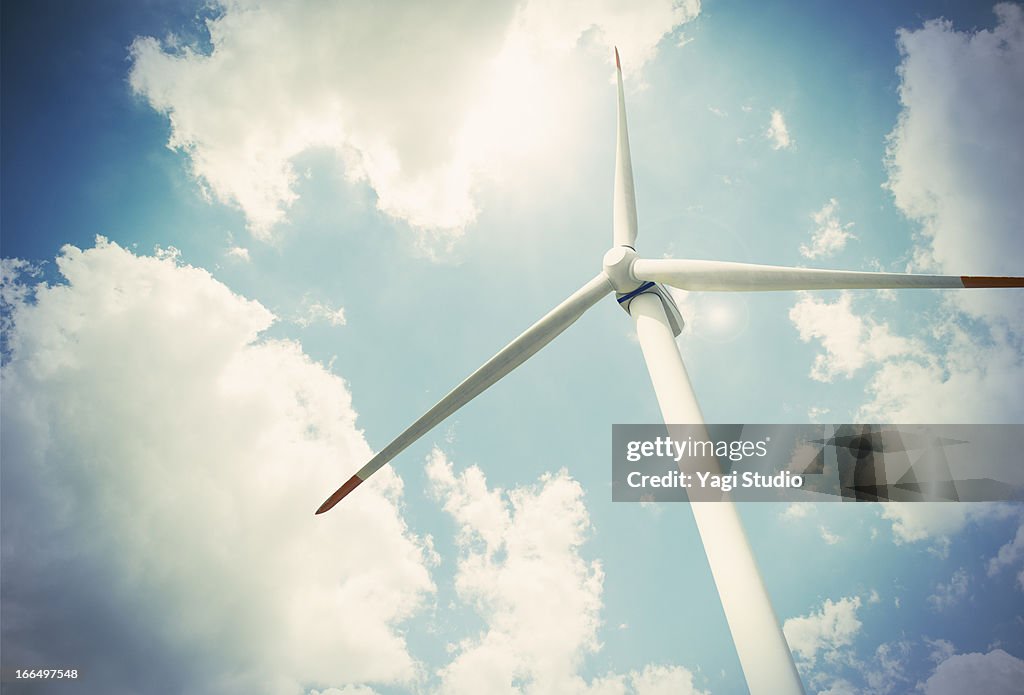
[(160, 472), (346, 690), (888, 668), (239, 253), (937, 522), (925, 520), (831, 634), (830, 235), (815, 413), (940, 649), (961, 372), (962, 102), (840, 686), (13, 292), (962, 98), (1011, 554), (422, 106), (833, 626), (159, 476), (967, 377), (951, 593), (996, 672), (828, 536), (850, 341), (541, 599), (664, 680), (520, 567), (778, 133), (315, 312), (796, 510)]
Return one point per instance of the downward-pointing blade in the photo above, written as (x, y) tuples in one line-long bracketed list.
[(721, 276), (511, 356), (624, 224)]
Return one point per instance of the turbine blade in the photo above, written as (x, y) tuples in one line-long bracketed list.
[(511, 356), (624, 224), (722, 276)]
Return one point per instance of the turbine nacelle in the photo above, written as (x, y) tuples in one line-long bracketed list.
[(618, 267)]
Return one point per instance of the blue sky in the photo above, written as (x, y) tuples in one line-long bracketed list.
[(316, 221)]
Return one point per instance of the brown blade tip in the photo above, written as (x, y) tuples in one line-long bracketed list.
[(617, 63), (339, 494), (989, 281)]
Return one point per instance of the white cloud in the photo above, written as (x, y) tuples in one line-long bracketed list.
[(962, 102), (346, 690), (888, 668), (938, 522), (962, 94), (828, 536), (815, 413), (995, 673), (840, 686), (423, 106), (850, 341), (664, 680), (962, 98), (797, 510), (520, 568), (777, 132), (958, 377), (920, 521), (160, 473), (1012, 553), (941, 649), (832, 627), (949, 594), (318, 311), (239, 253), (966, 378), (481, 513), (13, 291), (830, 235)]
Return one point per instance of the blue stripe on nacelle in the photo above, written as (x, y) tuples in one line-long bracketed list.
[(639, 290)]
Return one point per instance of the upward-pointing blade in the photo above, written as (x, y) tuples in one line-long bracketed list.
[(511, 356), (624, 203), (721, 276)]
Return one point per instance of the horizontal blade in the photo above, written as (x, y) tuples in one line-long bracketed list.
[(722, 276), (624, 202), (511, 356)]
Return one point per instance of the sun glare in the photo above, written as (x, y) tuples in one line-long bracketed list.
[(720, 318), (523, 113)]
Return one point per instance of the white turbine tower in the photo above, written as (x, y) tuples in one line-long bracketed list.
[(764, 655)]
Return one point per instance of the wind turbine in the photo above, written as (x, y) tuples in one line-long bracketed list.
[(638, 285)]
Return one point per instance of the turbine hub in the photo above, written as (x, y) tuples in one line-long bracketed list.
[(618, 266)]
